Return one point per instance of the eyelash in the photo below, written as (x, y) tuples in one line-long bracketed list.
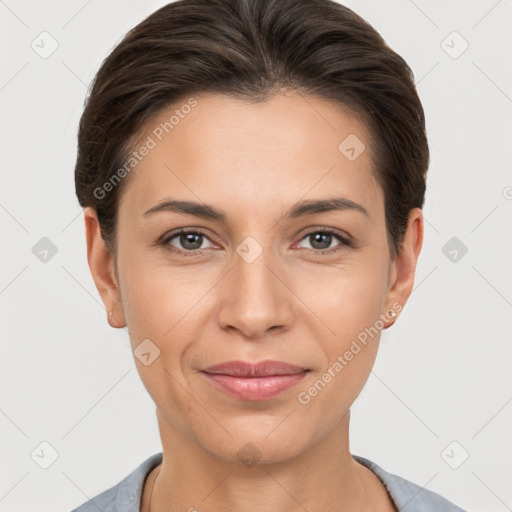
[(344, 241)]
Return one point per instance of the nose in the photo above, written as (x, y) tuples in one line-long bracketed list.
[(255, 296)]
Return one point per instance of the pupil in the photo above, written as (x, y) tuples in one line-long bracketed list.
[(188, 239), (326, 238)]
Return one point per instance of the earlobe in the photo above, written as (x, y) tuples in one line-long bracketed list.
[(101, 265), (113, 321)]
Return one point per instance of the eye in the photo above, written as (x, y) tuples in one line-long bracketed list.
[(321, 240), (190, 242), (186, 241)]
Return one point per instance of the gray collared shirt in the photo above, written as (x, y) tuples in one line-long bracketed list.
[(407, 496)]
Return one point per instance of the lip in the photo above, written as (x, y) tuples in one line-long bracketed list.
[(253, 382)]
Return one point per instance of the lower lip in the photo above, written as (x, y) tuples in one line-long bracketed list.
[(254, 388)]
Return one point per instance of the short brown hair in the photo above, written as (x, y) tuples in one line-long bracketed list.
[(249, 49)]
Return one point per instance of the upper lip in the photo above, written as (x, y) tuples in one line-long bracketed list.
[(260, 369)]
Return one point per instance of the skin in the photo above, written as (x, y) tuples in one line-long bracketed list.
[(294, 303)]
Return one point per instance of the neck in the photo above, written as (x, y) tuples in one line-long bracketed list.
[(325, 477)]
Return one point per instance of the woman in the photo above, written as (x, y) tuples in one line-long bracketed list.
[(253, 177)]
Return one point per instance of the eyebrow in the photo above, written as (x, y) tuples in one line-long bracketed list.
[(300, 209)]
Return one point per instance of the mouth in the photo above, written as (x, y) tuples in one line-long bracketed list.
[(254, 382)]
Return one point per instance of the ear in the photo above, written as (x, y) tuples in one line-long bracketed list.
[(403, 267), (101, 264)]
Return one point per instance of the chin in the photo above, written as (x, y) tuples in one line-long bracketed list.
[(256, 452), (256, 445)]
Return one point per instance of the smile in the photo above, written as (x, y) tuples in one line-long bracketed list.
[(253, 382)]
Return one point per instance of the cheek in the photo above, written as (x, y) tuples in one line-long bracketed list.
[(163, 305), (331, 393), (349, 302), (350, 305), (348, 298), (155, 297), (158, 306)]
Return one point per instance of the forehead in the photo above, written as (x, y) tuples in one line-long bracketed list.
[(253, 155)]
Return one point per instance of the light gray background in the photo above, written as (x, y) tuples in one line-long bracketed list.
[(443, 373)]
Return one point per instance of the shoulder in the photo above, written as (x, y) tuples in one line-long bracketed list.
[(125, 495), (404, 492)]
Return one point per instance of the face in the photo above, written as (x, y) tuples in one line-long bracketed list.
[(250, 271)]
